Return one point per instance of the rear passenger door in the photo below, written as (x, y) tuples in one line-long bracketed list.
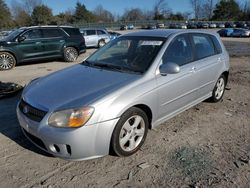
[(53, 41), (208, 61), (91, 38)]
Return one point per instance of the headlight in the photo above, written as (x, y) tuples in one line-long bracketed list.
[(71, 118)]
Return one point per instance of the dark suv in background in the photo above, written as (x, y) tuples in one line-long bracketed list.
[(41, 43)]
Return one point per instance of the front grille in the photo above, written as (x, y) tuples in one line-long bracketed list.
[(31, 112), (36, 140)]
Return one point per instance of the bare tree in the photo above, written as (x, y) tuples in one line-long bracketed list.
[(196, 5), (161, 10), (133, 14), (103, 15), (21, 17), (30, 5), (207, 9)]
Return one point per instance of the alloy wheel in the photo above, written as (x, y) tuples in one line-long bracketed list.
[(220, 86), (132, 133), (7, 61)]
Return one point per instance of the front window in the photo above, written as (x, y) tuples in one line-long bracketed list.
[(132, 54)]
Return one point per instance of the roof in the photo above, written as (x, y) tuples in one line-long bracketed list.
[(154, 33), (165, 33), (47, 26)]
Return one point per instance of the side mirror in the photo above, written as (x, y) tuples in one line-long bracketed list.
[(21, 38), (169, 68)]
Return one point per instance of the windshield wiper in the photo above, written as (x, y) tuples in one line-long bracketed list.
[(108, 66), (127, 69)]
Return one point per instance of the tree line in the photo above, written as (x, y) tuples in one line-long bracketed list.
[(34, 12)]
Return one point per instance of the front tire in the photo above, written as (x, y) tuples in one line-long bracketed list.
[(130, 132), (70, 54), (219, 89), (7, 61), (101, 43)]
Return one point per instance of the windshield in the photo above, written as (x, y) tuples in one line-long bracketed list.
[(14, 34), (131, 54)]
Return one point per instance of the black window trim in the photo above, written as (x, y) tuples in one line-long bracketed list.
[(210, 40), (216, 50)]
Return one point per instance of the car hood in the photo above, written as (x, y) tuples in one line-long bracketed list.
[(73, 87)]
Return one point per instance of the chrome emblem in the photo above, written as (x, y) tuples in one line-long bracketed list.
[(25, 109)]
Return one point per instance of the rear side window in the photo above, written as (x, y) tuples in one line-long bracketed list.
[(51, 33), (217, 45), (33, 34), (100, 32), (203, 46), (179, 51), (72, 31), (90, 32)]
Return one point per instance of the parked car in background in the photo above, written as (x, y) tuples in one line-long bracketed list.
[(151, 26), (113, 35), (4, 34), (202, 25), (230, 25), (40, 42), (130, 27), (95, 37), (212, 25), (240, 33), (220, 25), (160, 25), (240, 24), (133, 84), (123, 27), (192, 25), (227, 32)]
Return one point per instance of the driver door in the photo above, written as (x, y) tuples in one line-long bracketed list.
[(32, 46), (176, 91)]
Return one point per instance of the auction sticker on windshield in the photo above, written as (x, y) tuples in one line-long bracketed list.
[(152, 43)]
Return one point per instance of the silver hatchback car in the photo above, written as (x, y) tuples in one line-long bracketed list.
[(132, 84)]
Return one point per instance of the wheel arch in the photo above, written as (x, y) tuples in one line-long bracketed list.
[(226, 74), (148, 111)]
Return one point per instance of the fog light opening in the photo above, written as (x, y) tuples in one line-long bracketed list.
[(68, 149), (54, 148)]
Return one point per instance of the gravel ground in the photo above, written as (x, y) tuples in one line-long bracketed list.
[(206, 146)]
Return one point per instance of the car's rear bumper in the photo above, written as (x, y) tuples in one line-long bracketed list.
[(83, 143)]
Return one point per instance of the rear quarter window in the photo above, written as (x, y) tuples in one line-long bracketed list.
[(72, 31), (100, 32), (203, 46)]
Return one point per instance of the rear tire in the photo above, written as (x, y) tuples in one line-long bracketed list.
[(7, 61), (219, 89), (70, 54), (130, 132)]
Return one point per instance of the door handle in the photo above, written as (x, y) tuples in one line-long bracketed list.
[(193, 69), (62, 40), (38, 42)]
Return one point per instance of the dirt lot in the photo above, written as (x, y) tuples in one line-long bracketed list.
[(206, 146)]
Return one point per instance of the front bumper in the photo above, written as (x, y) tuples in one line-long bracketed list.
[(82, 143)]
